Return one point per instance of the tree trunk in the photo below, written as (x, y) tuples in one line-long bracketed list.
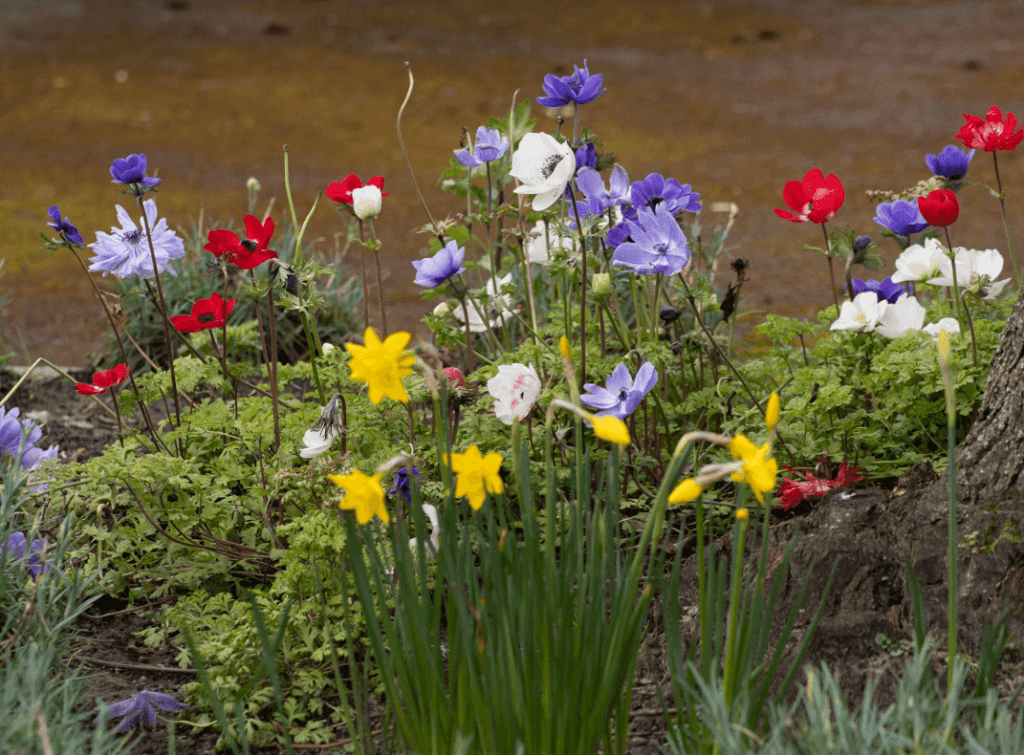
[(991, 458)]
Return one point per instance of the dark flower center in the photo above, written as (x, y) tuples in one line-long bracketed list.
[(249, 244), (131, 237), (206, 317), (623, 394), (550, 164), (575, 83), (661, 248)]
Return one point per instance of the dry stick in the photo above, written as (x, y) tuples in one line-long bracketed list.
[(135, 666), (120, 345), (272, 366)]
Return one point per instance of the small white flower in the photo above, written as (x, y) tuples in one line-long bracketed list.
[(919, 262), (863, 313), (327, 347), (488, 310), (542, 239), (366, 201), (442, 309), (515, 389), (971, 267), (948, 324), (900, 318), (543, 166), (320, 436)]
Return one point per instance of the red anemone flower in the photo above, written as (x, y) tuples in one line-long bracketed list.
[(791, 493), (940, 208), (341, 191), (991, 133), (246, 253), (103, 380), (816, 198), (207, 314)]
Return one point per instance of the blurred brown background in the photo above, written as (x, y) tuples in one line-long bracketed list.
[(734, 98)]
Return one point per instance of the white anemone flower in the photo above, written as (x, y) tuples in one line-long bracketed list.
[(863, 313), (435, 530), (543, 166), (948, 324), (971, 267), (320, 436), (901, 318), (542, 239), (920, 262), (488, 310), (515, 389), (366, 201)]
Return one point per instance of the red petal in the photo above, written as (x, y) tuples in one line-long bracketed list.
[(789, 216), (259, 232), (814, 179), (251, 260), (794, 196), (185, 324), (378, 181), (88, 390), (341, 191), (221, 242)]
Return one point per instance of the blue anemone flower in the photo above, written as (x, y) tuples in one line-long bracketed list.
[(433, 271), (655, 190), (402, 483), (63, 226), (621, 395), (591, 184), (586, 156), (142, 707), (901, 217), (656, 245), (131, 170), (950, 163), (580, 87), (490, 146), (17, 545), (885, 288)]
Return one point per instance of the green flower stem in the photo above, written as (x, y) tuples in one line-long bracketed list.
[(366, 290), (583, 280), (739, 540), (956, 287), (524, 265), (970, 324), (655, 311), (641, 323), (831, 275), (702, 615), (313, 351), (272, 365), (952, 609), (1006, 222), (375, 248), (297, 259), (492, 248), (617, 325)]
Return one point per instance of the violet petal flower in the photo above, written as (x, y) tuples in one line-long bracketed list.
[(885, 288), (586, 156), (950, 163), (63, 226), (125, 250), (901, 217), (131, 170), (403, 484), (658, 244), (656, 190), (143, 706), (591, 184), (17, 545), (580, 87), (490, 146), (621, 395), (433, 271)]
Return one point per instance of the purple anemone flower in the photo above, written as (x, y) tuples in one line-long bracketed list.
[(125, 251), (591, 184), (901, 217), (433, 271), (17, 545), (403, 484), (950, 163), (63, 226), (581, 88), (657, 246), (885, 288), (131, 170), (490, 146), (143, 707), (655, 190), (586, 156), (621, 395), (861, 243)]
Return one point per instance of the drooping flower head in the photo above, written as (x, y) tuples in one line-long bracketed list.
[(515, 389), (991, 133), (363, 494), (863, 313), (433, 271), (490, 146), (477, 475), (622, 394), (367, 202), (580, 87), (815, 199), (103, 380), (656, 191), (207, 314), (382, 365), (758, 470), (341, 191), (544, 166), (901, 217), (940, 208), (885, 288), (950, 163), (142, 708), (248, 253), (611, 429), (64, 226), (125, 251), (321, 435), (658, 244), (132, 170)]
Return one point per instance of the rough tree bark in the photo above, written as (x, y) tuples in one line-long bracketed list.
[(991, 458)]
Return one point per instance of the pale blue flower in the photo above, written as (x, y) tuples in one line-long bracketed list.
[(125, 250), (621, 395)]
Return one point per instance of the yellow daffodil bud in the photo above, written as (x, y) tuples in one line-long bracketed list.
[(771, 416), (742, 515), (686, 491), (602, 284), (944, 345), (611, 429), (563, 347)]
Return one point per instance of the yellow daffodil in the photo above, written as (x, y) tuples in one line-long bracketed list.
[(563, 348), (686, 491), (758, 470), (611, 429), (771, 416), (382, 365), (363, 494), (477, 475)]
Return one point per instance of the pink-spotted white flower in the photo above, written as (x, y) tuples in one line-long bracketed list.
[(515, 389)]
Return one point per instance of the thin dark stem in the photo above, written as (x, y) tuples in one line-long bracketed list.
[(366, 292), (495, 258), (956, 287), (380, 281), (831, 274), (1006, 222), (272, 366), (259, 324), (405, 154), (583, 290), (224, 342), (970, 324)]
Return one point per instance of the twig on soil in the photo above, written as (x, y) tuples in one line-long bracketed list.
[(135, 666)]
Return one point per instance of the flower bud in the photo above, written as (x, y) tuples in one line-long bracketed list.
[(454, 374), (327, 348), (668, 314), (771, 416), (611, 429), (564, 349), (602, 284), (253, 186), (366, 201), (677, 348), (685, 492), (742, 515), (861, 243), (442, 309)]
